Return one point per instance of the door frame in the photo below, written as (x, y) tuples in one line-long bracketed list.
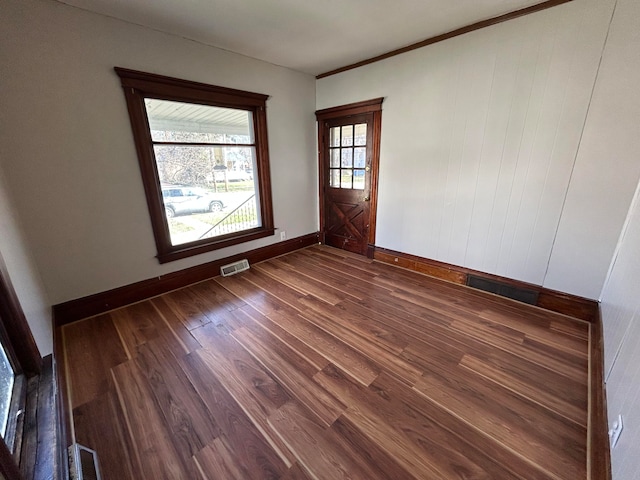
[(373, 106)]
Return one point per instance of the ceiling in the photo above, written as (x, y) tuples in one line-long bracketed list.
[(312, 36)]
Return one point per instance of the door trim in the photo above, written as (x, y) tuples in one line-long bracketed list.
[(373, 106)]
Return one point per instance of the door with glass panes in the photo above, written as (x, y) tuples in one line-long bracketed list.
[(347, 167)]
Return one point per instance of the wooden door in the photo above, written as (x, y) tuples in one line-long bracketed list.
[(348, 176)]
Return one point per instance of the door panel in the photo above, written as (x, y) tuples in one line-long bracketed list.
[(347, 172), (349, 153)]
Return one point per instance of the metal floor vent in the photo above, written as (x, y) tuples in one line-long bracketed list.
[(83, 463), (234, 268), (520, 294)]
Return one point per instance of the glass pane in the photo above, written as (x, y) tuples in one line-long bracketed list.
[(335, 157), (346, 178), (361, 134), (7, 377), (334, 178), (334, 137), (360, 157), (358, 179), (347, 136), (192, 123), (347, 157), (207, 191)]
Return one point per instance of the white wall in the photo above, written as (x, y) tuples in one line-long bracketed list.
[(613, 135), (608, 165), (68, 151), (23, 274), (480, 136), (621, 316)]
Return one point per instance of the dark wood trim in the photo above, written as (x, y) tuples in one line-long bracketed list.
[(8, 468), (137, 87), (80, 308), (373, 107), (445, 36), (567, 304), (161, 85), (357, 108), (226, 241), (62, 399), (598, 453), (375, 166), (15, 328)]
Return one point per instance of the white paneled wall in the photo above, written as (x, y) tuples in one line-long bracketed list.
[(480, 135), (621, 313)]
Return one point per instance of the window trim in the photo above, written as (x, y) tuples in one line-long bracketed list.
[(24, 355), (138, 86)]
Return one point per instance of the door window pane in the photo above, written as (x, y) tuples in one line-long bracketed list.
[(347, 136), (335, 158), (334, 137), (361, 134), (358, 179), (347, 159), (334, 178), (7, 377), (360, 157), (346, 178)]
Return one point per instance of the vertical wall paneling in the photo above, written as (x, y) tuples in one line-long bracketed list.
[(479, 139), (607, 168), (621, 316)]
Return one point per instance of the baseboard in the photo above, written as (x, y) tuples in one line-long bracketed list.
[(598, 452), (91, 305), (572, 305)]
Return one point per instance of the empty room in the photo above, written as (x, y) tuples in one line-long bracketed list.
[(354, 239)]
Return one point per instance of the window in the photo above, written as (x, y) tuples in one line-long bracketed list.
[(19, 361), (204, 161), (348, 156)]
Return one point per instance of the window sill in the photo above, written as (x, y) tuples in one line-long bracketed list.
[(178, 252)]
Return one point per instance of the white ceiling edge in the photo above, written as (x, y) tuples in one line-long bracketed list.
[(304, 35)]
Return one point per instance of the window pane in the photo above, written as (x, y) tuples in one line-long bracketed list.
[(347, 136), (207, 191), (358, 179), (360, 157), (335, 157), (334, 178), (361, 134), (347, 159), (7, 377), (193, 123), (334, 137), (346, 178)]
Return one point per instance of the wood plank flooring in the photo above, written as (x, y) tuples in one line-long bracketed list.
[(324, 365)]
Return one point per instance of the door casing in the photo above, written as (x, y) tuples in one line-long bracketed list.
[(373, 106)]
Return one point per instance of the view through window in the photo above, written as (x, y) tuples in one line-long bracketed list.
[(205, 157), (7, 377), (204, 160)]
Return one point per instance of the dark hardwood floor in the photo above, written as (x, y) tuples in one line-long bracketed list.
[(324, 365)]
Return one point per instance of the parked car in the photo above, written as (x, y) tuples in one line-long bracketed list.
[(179, 200)]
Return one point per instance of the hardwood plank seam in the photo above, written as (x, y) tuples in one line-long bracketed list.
[(125, 413), (520, 394), (490, 437)]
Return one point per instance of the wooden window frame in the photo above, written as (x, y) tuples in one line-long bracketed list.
[(25, 357), (137, 87)]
